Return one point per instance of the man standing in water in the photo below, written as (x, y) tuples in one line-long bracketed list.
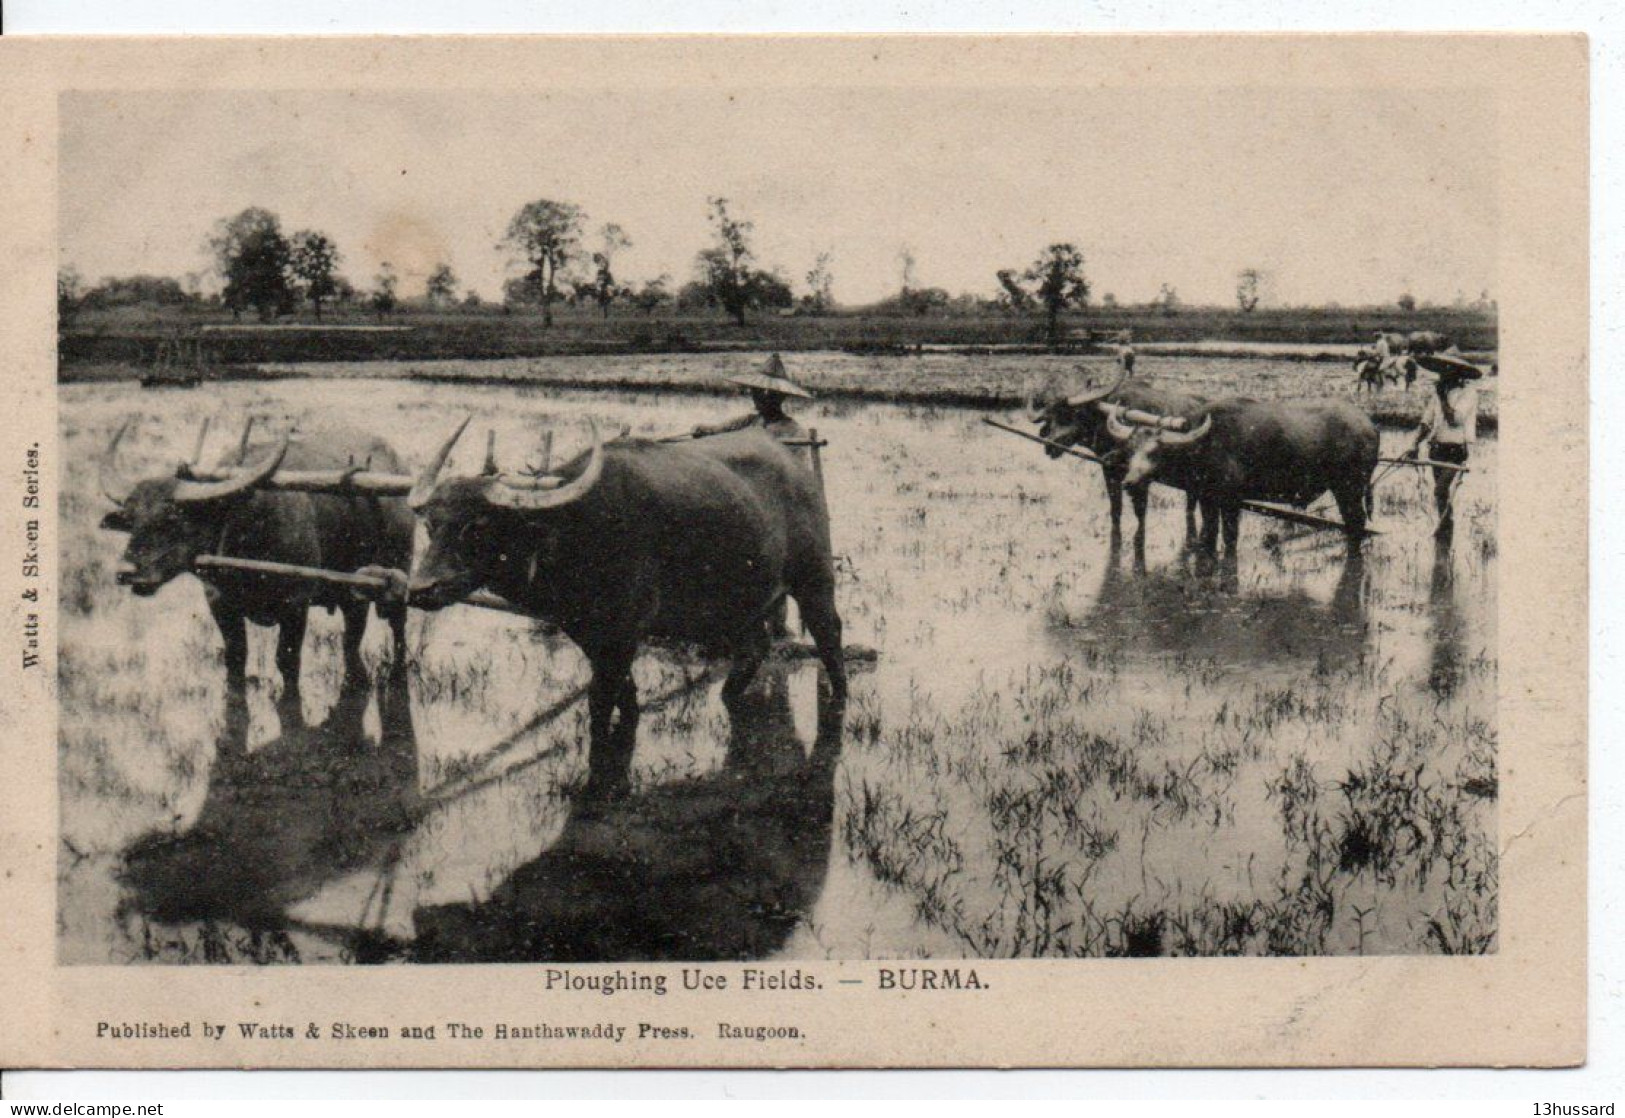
[(769, 389), (1449, 425)]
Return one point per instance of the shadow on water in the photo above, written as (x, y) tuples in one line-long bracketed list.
[(1184, 610), (280, 822), (1449, 630), (721, 866)]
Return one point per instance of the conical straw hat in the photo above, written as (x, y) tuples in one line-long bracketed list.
[(1448, 366), (771, 377)]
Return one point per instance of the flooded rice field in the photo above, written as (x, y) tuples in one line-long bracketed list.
[(1055, 750)]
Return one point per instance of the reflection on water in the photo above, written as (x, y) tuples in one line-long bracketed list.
[(280, 822), (1449, 626), (1182, 609), (719, 866)]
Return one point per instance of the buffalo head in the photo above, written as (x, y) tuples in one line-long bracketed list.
[(1148, 445), (174, 519), (1070, 420), (471, 521)]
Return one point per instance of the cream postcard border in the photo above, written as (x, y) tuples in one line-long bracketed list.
[(1523, 1005)]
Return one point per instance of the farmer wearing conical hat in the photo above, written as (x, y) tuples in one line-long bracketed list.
[(769, 388), (1449, 425)]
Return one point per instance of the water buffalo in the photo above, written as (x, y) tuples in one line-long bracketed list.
[(1243, 449), (176, 518), (1373, 369), (1423, 343), (694, 542), (1080, 420)]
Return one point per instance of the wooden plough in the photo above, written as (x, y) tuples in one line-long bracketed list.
[(369, 585)]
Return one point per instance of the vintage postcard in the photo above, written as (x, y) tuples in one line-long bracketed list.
[(821, 552)]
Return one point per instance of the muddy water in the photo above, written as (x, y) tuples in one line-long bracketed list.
[(1058, 749)]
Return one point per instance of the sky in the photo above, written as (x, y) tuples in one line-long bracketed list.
[(1339, 196)]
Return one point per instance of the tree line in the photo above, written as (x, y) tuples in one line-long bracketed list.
[(561, 258)]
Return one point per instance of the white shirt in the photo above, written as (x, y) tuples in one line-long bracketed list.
[(1464, 405)]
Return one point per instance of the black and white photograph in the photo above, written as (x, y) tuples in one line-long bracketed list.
[(777, 525)]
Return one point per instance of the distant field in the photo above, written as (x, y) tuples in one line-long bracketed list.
[(131, 336), (992, 381)]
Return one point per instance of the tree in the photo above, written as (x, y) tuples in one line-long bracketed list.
[(548, 235), (471, 299), (769, 289), (522, 291), (1058, 277), (612, 239), (1167, 300), (69, 293), (821, 285), (1053, 283), (727, 268), (383, 290), (1407, 302), (653, 295), (1012, 296), (907, 263), (921, 301), (313, 259), (441, 287), (1249, 282), (253, 258), (696, 295), (135, 291)]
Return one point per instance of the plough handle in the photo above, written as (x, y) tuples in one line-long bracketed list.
[(1063, 447), (1421, 462)]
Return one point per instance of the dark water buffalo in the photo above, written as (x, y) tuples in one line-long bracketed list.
[(1243, 449), (176, 518), (1080, 420), (1424, 343), (693, 542)]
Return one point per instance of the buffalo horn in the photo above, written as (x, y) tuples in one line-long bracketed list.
[(424, 489), (1090, 396), (1115, 427), (550, 492), (490, 467), (1175, 438), (115, 486), (240, 480)]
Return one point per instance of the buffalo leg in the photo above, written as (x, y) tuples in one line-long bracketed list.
[(1210, 526), (1114, 496), (1140, 495), (1352, 506), (355, 630), (234, 631), (290, 645), (396, 616), (609, 758), (1232, 529), (749, 652), (824, 623)]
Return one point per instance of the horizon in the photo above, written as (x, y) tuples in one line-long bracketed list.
[(1342, 198)]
